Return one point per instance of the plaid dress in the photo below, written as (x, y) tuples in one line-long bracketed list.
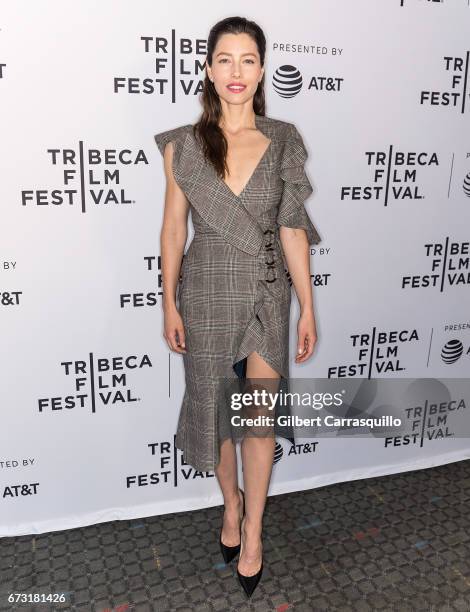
[(234, 295)]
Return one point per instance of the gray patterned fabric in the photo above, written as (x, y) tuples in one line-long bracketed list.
[(234, 296)]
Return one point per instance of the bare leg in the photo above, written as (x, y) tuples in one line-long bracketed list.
[(226, 472), (257, 458)]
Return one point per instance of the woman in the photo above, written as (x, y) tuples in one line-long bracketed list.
[(242, 176)]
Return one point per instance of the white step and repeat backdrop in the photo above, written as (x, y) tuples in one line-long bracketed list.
[(90, 393)]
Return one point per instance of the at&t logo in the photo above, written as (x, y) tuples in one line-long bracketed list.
[(288, 81)]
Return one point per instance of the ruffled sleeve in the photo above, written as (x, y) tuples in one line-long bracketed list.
[(297, 187), (177, 136)]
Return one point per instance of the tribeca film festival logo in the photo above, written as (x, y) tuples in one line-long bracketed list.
[(426, 408), (146, 297), (98, 382), (89, 176), (428, 420), (456, 91), (378, 353), (168, 467), (176, 64), (394, 176), (448, 266)]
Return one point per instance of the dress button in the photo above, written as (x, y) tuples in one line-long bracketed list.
[(270, 256)]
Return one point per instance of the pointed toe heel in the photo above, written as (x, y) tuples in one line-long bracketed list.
[(249, 583), (230, 552)]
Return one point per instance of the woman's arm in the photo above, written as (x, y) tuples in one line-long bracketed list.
[(173, 238), (297, 254)]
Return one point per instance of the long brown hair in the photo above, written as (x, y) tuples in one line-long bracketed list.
[(207, 130)]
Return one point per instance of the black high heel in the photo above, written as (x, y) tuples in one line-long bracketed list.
[(230, 552), (249, 583)]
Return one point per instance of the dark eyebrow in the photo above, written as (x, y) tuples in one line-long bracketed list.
[(225, 53)]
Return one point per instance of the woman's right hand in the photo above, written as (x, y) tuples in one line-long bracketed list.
[(174, 330)]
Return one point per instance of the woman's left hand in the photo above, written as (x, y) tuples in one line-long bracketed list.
[(307, 336)]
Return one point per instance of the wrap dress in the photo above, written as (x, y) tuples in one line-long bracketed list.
[(234, 295)]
